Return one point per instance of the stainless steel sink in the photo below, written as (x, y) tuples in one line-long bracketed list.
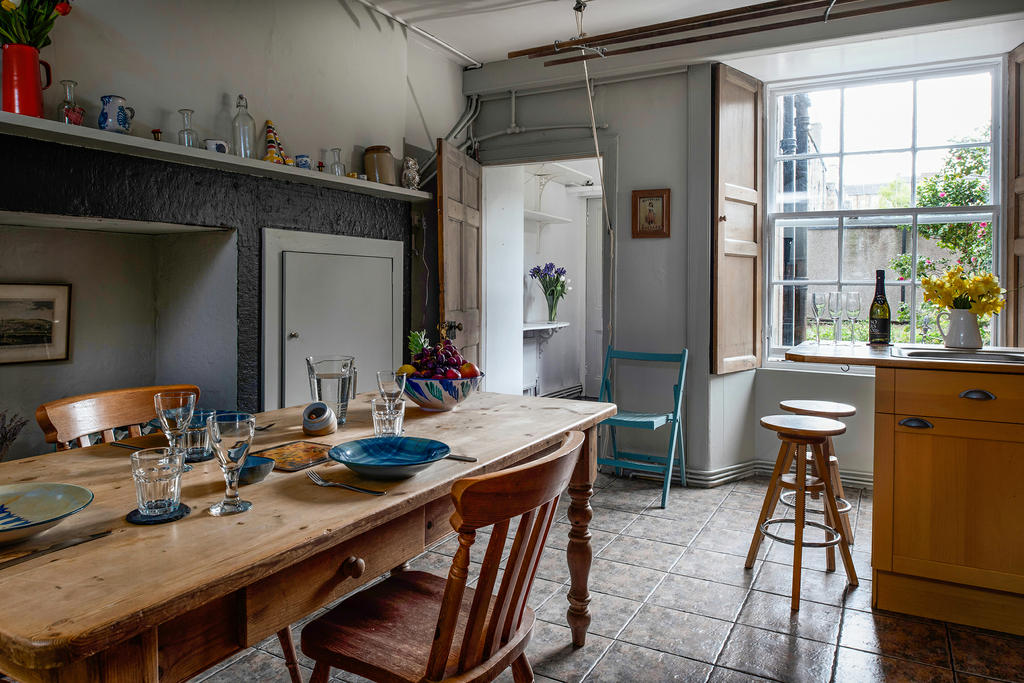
[(994, 355)]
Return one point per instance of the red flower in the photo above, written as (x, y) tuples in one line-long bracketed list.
[(63, 8)]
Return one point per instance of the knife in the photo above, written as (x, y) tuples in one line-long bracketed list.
[(124, 445), (54, 548), (460, 458)]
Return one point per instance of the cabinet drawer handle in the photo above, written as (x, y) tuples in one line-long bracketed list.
[(978, 395), (916, 423)]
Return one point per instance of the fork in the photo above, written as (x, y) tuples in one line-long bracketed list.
[(320, 481), (264, 427)]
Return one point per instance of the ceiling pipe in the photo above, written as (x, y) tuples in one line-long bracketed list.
[(417, 30)]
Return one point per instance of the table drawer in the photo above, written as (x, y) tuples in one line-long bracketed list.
[(306, 586), (984, 396)]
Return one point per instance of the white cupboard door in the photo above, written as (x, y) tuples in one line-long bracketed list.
[(336, 304)]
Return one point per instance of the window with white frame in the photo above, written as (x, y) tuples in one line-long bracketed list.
[(889, 171)]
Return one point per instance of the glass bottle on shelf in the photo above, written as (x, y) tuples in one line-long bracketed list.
[(337, 168), (69, 112), (187, 136), (243, 129)]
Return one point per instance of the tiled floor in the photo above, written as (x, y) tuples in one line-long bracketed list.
[(672, 602)]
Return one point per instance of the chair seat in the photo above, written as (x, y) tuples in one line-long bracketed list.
[(626, 418), (386, 631), (829, 409)]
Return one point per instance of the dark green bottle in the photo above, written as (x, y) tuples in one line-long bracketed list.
[(878, 316)]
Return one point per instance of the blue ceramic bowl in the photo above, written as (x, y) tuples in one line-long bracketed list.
[(440, 394), (389, 457), (28, 509), (255, 469)]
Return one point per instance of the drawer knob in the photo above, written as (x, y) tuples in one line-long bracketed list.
[(353, 567), (978, 395), (916, 423)]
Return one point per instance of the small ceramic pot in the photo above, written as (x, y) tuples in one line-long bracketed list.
[(303, 161), (115, 114), (379, 164), (963, 331), (319, 420), (216, 145)]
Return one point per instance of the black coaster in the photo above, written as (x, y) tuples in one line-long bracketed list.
[(204, 458), (135, 517)]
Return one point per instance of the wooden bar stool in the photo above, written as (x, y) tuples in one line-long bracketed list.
[(799, 433), (833, 411)]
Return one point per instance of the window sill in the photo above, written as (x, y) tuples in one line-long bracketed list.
[(793, 366)]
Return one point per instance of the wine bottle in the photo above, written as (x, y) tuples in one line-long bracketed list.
[(878, 316)]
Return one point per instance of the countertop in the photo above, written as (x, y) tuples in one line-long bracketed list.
[(882, 357)]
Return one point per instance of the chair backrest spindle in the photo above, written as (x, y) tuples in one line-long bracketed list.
[(530, 492)]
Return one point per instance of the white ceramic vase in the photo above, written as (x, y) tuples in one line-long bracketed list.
[(963, 331)]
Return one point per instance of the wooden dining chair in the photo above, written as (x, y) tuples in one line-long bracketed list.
[(76, 418), (403, 629)]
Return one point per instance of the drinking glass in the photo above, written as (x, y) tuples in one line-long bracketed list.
[(387, 416), (853, 306), (174, 409), (196, 438), (835, 311), (818, 303), (157, 475), (332, 379), (391, 384), (230, 436), (187, 136)]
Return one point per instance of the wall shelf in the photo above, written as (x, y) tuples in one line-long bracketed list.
[(559, 173), (544, 218), (80, 136), (543, 326)]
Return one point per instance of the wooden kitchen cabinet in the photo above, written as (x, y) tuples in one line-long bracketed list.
[(948, 528)]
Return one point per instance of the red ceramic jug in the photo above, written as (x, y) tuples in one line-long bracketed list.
[(22, 86)]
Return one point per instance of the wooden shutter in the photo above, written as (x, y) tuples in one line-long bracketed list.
[(458, 252), (737, 265), (1014, 266)]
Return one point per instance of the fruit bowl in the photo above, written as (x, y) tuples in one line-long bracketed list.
[(440, 394)]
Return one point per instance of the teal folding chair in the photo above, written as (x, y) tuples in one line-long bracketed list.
[(621, 460)]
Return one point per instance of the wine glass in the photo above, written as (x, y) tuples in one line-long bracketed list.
[(835, 311), (391, 385), (174, 410), (818, 303), (853, 307), (230, 436)]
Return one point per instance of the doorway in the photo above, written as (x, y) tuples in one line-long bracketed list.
[(535, 214)]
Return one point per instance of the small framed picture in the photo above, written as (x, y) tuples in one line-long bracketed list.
[(35, 322), (651, 210)]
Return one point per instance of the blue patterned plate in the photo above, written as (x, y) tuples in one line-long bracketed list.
[(28, 509), (389, 457)]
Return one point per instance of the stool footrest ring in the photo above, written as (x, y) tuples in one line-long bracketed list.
[(789, 500), (832, 540)]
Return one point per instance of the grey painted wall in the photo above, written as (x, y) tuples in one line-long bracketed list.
[(649, 118), (113, 318), (328, 73), (196, 309)]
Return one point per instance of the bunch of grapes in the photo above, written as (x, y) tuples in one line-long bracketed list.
[(441, 361)]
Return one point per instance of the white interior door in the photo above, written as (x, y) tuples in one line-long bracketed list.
[(336, 304)]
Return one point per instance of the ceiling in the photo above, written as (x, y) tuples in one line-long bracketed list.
[(487, 30)]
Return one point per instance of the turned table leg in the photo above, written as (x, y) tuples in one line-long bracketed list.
[(579, 553)]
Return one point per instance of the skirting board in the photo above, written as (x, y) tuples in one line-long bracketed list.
[(724, 475)]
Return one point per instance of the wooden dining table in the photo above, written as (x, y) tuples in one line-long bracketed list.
[(98, 599)]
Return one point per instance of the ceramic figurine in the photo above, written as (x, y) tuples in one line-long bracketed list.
[(275, 148), (115, 114), (157, 134), (410, 174)]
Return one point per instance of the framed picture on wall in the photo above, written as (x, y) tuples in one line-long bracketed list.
[(35, 322), (651, 210)]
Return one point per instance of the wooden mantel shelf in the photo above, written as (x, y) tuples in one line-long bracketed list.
[(80, 136)]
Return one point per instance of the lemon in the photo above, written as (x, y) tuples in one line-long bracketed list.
[(405, 370)]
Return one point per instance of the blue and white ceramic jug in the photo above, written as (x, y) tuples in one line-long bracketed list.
[(115, 114)]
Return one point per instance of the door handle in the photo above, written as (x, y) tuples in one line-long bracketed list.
[(978, 395), (916, 423), (293, 335), (449, 329)]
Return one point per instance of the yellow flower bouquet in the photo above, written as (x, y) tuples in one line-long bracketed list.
[(980, 294)]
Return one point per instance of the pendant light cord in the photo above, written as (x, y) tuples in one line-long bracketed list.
[(580, 6)]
